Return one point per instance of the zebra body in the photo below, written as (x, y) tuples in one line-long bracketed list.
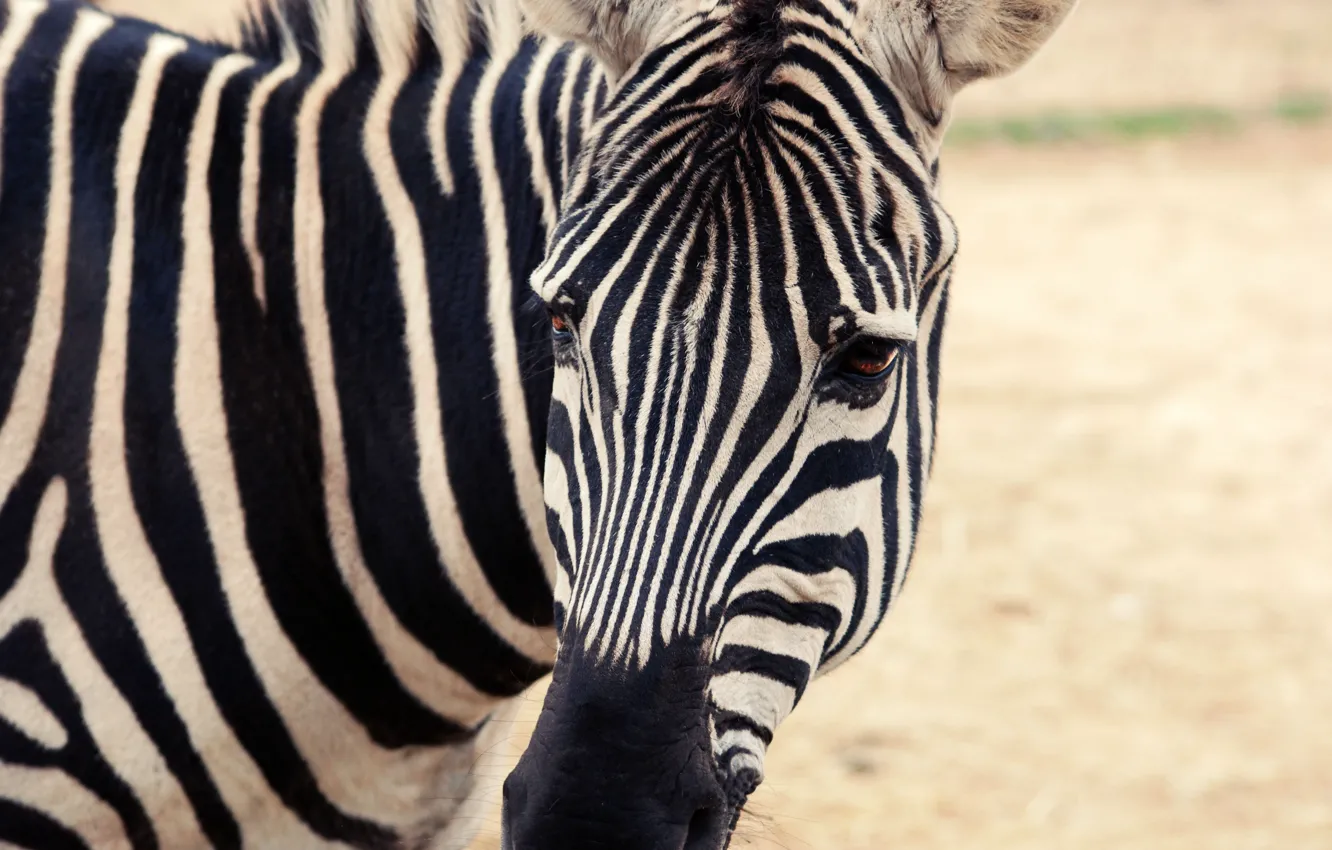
[(271, 538)]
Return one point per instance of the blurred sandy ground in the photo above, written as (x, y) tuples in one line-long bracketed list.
[(1118, 632)]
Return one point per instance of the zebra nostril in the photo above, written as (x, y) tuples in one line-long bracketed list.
[(707, 829)]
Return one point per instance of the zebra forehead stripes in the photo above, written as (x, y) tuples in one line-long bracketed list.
[(811, 204)]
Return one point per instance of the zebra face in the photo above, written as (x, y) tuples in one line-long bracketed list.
[(747, 287)]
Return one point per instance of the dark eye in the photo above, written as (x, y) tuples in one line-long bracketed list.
[(560, 328), (868, 359)]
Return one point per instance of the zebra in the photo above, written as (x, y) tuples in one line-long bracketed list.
[(359, 372)]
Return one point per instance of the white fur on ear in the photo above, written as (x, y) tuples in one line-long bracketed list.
[(989, 38), (617, 31), (930, 49)]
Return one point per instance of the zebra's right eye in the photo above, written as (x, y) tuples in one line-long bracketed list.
[(869, 359)]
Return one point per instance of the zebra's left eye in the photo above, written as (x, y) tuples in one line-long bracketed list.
[(868, 359), (559, 327)]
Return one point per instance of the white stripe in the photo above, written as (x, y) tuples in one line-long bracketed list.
[(22, 708), (533, 88), (564, 113), (897, 444), (393, 27), (871, 526), (589, 116), (131, 563), (337, 28), (449, 25), (446, 527), (765, 701), (558, 500), (437, 125), (251, 164), (803, 643)]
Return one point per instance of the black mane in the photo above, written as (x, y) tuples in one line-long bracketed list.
[(759, 37)]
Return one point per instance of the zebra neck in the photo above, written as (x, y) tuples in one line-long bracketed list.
[(397, 218)]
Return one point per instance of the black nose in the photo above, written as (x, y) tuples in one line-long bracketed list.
[(621, 761), (708, 828)]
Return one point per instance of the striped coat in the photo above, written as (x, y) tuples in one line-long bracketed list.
[(272, 544)]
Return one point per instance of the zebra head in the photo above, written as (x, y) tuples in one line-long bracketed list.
[(747, 286)]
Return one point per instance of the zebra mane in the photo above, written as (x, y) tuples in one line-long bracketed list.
[(401, 33), (760, 35)]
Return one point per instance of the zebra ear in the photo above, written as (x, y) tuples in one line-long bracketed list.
[(990, 38), (930, 49), (617, 31)]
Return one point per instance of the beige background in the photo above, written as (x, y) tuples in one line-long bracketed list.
[(1118, 632)]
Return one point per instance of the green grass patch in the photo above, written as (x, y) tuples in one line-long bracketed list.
[(1302, 108)]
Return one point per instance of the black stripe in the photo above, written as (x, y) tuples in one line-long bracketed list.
[(765, 603), (932, 354), (749, 659), (26, 173), (728, 721), (24, 658), (28, 828)]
